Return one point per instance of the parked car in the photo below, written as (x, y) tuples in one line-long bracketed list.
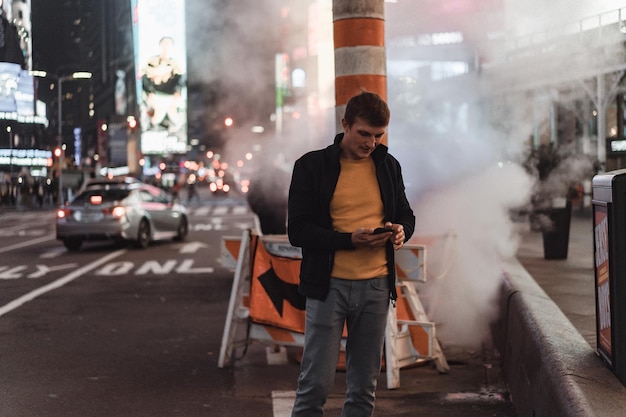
[(122, 211)]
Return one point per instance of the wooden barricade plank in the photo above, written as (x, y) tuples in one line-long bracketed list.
[(230, 251), (237, 293)]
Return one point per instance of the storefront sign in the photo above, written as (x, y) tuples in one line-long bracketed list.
[(26, 157)]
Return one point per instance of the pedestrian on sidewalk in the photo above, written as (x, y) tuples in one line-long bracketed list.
[(338, 198)]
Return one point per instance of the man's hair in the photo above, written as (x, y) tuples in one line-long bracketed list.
[(368, 106)]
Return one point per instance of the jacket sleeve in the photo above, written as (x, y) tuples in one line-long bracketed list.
[(404, 213), (309, 225)]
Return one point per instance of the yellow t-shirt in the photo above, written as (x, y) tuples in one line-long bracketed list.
[(356, 203)]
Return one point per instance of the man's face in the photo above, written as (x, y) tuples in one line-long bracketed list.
[(360, 139)]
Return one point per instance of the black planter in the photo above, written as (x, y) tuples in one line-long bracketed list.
[(556, 237)]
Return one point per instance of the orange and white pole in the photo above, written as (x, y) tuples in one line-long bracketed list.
[(360, 60)]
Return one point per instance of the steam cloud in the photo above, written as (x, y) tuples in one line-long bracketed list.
[(236, 41), (463, 185)]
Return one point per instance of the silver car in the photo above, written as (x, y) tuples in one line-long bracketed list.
[(121, 211)]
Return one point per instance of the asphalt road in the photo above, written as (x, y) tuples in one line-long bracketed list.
[(118, 331)]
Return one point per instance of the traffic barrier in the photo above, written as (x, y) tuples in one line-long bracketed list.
[(265, 298), (411, 263), (274, 296)]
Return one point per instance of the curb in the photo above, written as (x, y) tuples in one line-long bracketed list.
[(550, 368)]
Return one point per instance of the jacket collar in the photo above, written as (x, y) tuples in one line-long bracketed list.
[(378, 155)]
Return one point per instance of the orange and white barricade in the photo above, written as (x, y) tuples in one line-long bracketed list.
[(265, 298)]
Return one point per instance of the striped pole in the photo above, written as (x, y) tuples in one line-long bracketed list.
[(360, 61)]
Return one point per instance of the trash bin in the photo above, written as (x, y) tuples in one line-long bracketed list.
[(609, 245), (556, 234)]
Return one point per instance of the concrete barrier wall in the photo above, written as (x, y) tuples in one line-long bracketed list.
[(550, 368)]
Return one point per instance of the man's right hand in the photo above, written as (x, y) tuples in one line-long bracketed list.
[(365, 237)]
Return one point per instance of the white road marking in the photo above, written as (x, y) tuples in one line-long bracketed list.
[(58, 283), (201, 211), (27, 243), (42, 270), (53, 253), (192, 247), (240, 210), (220, 210), (282, 403)]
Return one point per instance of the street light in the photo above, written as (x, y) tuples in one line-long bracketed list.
[(60, 79), (10, 151), (76, 75), (73, 76)]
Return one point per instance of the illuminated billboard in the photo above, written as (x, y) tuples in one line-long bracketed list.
[(17, 87), (161, 74), (26, 157), (17, 93)]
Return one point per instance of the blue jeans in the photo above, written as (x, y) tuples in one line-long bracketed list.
[(362, 305)]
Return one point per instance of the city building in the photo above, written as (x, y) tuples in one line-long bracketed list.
[(91, 37), (452, 68)]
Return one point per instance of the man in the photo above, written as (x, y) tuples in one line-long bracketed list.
[(338, 197)]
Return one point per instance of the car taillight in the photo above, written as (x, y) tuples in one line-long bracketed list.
[(63, 213), (117, 211)]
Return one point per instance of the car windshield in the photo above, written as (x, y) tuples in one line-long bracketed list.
[(100, 196)]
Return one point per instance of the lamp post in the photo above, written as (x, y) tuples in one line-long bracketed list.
[(10, 151), (60, 79), (74, 76)]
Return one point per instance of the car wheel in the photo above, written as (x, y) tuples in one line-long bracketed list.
[(72, 244), (183, 229), (143, 235)]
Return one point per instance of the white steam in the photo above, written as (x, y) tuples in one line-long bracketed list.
[(236, 43), (468, 228), (463, 173), (531, 16), (463, 193), (464, 184)]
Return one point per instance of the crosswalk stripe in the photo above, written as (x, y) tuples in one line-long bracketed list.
[(220, 210), (240, 210), (206, 211), (202, 211)]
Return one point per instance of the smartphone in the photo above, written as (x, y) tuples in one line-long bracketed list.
[(381, 230)]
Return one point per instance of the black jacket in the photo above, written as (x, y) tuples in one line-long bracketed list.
[(310, 226)]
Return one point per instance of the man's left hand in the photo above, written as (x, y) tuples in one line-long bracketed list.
[(398, 235)]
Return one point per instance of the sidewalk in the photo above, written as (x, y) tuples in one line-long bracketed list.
[(549, 331), (9, 208), (569, 282)]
